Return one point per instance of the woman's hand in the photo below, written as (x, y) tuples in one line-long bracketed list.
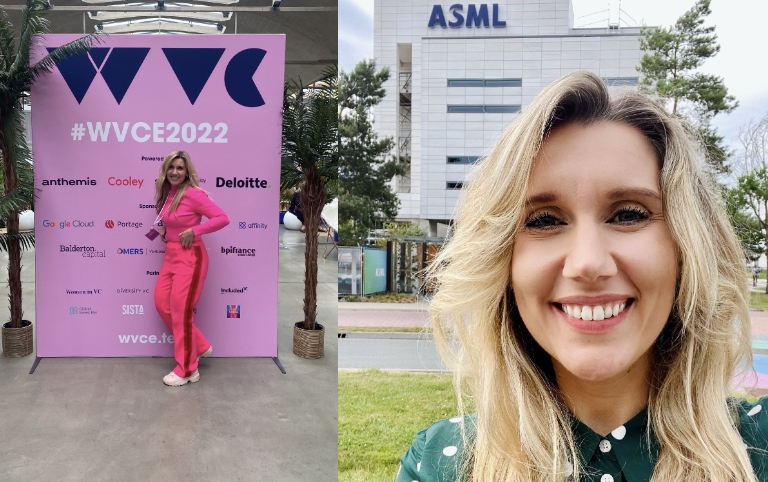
[(186, 238), (161, 230)]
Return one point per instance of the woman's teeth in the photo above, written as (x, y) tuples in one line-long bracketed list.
[(596, 313)]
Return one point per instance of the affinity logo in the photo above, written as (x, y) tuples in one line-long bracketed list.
[(193, 67), (234, 290), (233, 311), (130, 250), (244, 225), (234, 251)]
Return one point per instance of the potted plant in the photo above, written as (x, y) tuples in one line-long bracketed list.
[(16, 77), (311, 161)]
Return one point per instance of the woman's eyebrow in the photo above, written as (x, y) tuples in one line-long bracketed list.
[(634, 192)]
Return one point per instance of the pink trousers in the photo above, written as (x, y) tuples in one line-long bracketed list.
[(176, 293)]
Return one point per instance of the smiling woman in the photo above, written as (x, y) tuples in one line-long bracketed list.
[(597, 293)]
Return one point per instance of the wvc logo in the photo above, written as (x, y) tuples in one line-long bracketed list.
[(130, 250), (133, 309), (122, 224), (193, 67), (84, 292), (233, 311), (234, 290), (244, 225)]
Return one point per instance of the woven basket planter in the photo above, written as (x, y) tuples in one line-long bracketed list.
[(308, 343), (18, 342)]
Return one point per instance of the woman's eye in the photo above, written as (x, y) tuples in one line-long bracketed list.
[(542, 221), (630, 215)]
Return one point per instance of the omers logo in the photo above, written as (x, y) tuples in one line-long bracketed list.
[(133, 309), (67, 224), (192, 66), (123, 224), (233, 251), (477, 15), (248, 182), (130, 250), (113, 181), (69, 182)]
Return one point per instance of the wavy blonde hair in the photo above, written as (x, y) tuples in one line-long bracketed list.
[(163, 186), (522, 431)]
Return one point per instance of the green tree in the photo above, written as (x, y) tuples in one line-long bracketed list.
[(668, 67), (365, 165), (748, 201), (16, 78)]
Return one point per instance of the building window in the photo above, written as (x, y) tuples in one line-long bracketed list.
[(617, 81), (479, 109), (485, 82), (454, 185), (461, 159)]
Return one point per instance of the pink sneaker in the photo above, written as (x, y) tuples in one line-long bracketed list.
[(173, 380), (207, 353)]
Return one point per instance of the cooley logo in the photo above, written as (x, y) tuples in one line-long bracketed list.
[(128, 182), (193, 67)]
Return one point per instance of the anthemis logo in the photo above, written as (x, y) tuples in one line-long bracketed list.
[(233, 311), (193, 67)]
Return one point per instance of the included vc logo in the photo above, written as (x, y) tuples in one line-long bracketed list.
[(233, 311)]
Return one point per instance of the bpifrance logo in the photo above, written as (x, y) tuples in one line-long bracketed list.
[(192, 67), (235, 251), (233, 311)]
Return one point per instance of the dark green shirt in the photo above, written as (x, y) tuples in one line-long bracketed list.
[(624, 455)]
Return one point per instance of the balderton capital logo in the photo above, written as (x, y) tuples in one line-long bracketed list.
[(193, 67)]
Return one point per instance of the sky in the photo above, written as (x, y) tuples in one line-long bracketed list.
[(739, 24)]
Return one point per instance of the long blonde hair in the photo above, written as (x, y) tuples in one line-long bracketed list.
[(522, 431), (163, 186)]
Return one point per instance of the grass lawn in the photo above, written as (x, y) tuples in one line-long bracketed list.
[(386, 297), (379, 415), (758, 301)]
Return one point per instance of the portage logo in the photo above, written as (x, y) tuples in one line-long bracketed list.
[(130, 250), (247, 183), (234, 290), (193, 67), (69, 182), (67, 224), (234, 251), (122, 224), (133, 309), (233, 311)]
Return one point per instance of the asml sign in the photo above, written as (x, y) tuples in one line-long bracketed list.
[(476, 16)]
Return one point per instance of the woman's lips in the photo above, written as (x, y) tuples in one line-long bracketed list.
[(592, 318)]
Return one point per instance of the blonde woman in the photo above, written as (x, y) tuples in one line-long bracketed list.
[(598, 292), (180, 204)]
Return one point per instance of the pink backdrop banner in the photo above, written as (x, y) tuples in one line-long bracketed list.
[(102, 124)]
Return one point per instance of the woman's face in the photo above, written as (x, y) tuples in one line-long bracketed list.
[(594, 269), (176, 172)]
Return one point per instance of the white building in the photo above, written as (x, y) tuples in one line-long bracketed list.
[(460, 72)]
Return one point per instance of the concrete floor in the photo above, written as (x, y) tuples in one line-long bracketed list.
[(112, 419)]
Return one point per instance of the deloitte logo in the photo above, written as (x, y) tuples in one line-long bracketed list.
[(67, 224), (193, 67), (247, 183), (130, 250), (233, 251)]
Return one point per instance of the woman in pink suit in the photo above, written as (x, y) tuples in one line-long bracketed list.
[(181, 204)]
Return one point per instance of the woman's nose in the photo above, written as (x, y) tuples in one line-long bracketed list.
[(588, 256)]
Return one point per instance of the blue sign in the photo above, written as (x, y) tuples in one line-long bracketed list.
[(477, 16)]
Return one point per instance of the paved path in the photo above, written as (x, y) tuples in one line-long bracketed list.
[(367, 351)]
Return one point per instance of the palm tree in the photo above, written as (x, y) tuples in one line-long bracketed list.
[(311, 161), (16, 78)]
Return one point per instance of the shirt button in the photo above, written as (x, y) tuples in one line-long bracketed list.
[(605, 446), (606, 478)]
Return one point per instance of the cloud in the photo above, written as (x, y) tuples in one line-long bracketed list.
[(355, 32)]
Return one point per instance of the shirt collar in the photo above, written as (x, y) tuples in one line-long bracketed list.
[(633, 445)]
